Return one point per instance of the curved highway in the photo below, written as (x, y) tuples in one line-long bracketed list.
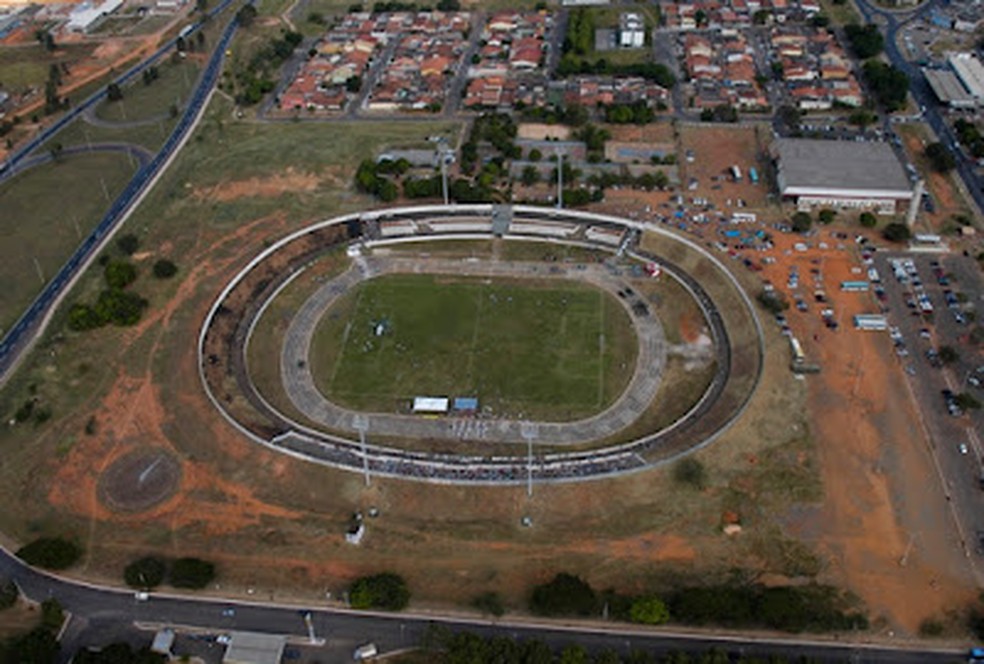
[(20, 336), (141, 155)]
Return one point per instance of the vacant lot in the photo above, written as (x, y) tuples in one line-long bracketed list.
[(46, 212), (531, 350), (143, 102), (947, 196), (26, 67), (716, 149)]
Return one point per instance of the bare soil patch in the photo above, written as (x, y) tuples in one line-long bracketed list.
[(715, 150), (269, 187)]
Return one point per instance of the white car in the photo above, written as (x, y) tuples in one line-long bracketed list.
[(963, 448)]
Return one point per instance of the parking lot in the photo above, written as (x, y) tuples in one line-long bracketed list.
[(932, 302)]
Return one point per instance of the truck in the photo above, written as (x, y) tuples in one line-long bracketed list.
[(736, 173)]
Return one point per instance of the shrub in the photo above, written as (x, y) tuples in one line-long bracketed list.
[(191, 573), (50, 553), (773, 301), (147, 572), (802, 222), (128, 244), (385, 591), (164, 269), (826, 216), (52, 615), (489, 603), (120, 274), (8, 594), (896, 232), (650, 610), (690, 472), (868, 220), (566, 594), (930, 627)]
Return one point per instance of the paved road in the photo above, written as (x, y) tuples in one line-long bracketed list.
[(295, 363), (20, 336), (104, 610), (139, 155)]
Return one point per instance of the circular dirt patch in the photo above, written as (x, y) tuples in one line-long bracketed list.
[(139, 480)]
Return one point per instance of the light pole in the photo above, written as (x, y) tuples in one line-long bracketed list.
[(361, 424), (528, 431), (560, 180), (445, 156)]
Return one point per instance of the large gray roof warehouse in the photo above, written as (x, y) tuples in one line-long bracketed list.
[(844, 173)]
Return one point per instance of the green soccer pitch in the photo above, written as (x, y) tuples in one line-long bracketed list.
[(548, 350)]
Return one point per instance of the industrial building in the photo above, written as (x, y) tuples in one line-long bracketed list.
[(948, 88), (840, 175), (87, 17), (970, 72), (254, 648)]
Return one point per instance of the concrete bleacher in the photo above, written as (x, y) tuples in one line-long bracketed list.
[(547, 228), (397, 228), (460, 225), (604, 235)]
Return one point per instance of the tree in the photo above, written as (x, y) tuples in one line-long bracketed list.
[(246, 15), (826, 216), (448, 5), (948, 354), (52, 615), (128, 244), (691, 472), (565, 594), (649, 610), (191, 573), (866, 41), (146, 573), (896, 232), (164, 269), (37, 647), (530, 175), (868, 220), (120, 307), (802, 222), (940, 158), (120, 274), (113, 92), (385, 591), (773, 301), (535, 155), (50, 552), (888, 84), (862, 118), (8, 594), (82, 317), (353, 84), (573, 654)]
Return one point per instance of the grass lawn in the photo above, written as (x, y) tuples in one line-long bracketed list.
[(24, 67), (41, 208), (841, 14), (521, 348), (141, 102)]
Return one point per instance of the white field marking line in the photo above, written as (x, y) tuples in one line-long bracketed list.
[(345, 336), (474, 341), (601, 348)]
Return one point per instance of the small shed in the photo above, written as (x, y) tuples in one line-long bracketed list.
[(430, 404), (465, 404), (163, 642)]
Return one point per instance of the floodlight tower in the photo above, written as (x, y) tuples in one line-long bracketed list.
[(528, 431), (560, 180), (445, 156), (361, 424)]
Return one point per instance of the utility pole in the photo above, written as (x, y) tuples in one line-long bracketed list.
[(361, 424), (560, 180), (528, 431)]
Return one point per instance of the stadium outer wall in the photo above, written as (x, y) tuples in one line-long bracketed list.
[(437, 212)]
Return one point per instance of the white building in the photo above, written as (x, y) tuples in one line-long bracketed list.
[(631, 30), (87, 17), (840, 175)]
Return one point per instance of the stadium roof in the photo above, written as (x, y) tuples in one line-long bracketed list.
[(947, 87), (254, 648), (839, 168)]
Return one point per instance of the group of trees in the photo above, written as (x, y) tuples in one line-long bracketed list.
[(385, 591), (970, 137), (118, 653), (888, 84), (38, 646), (50, 553), (371, 179), (940, 158), (150, 571), (896, 232), (637, 112), (572, 115), (569, 595), (572, 65), (720, 113), (467, 647), (497, 129), (866, 41), (257, 77)]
